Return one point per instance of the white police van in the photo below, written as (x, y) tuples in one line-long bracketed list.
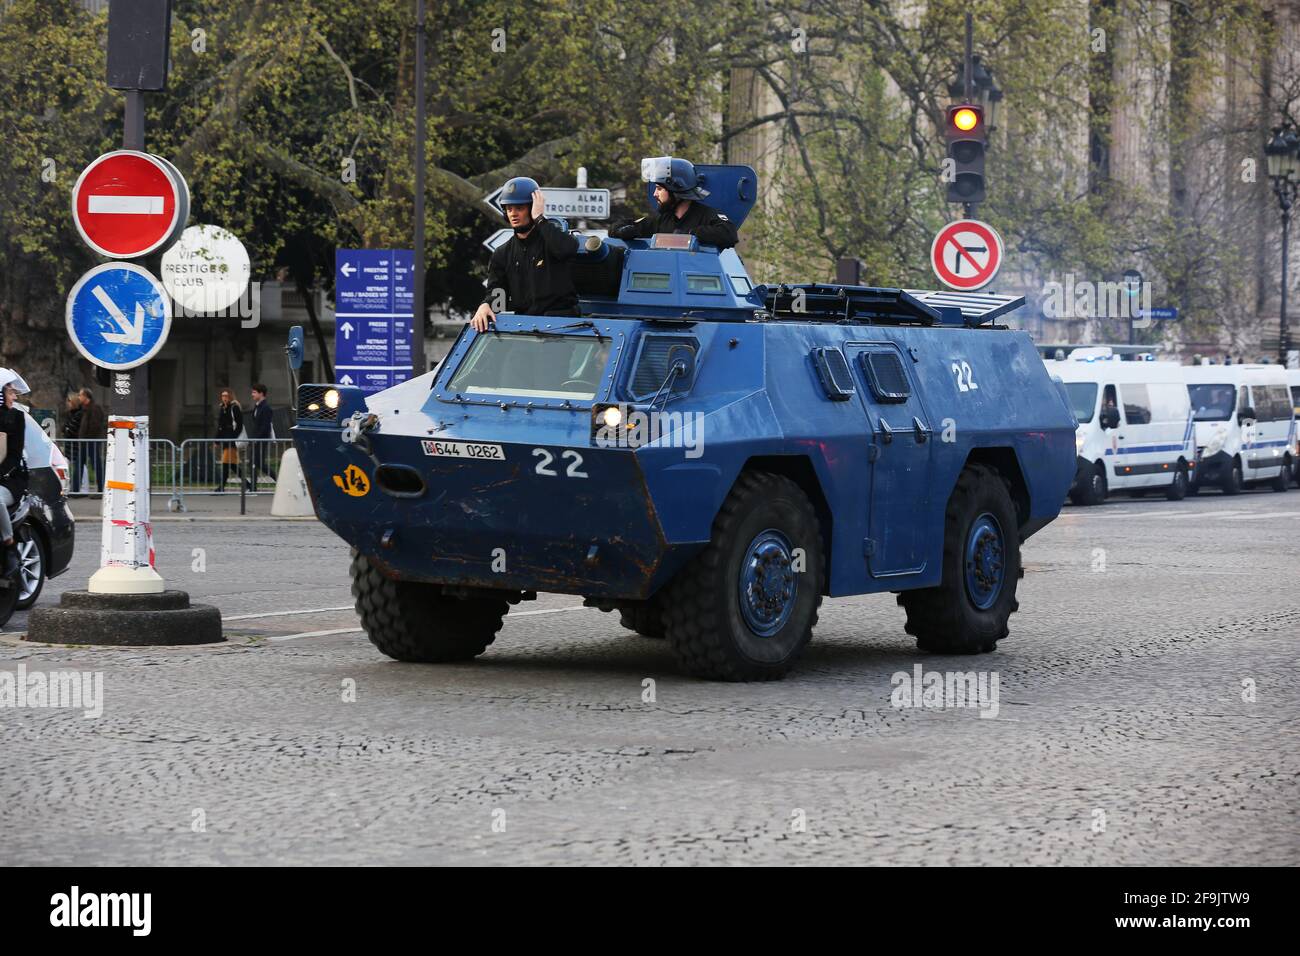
[(1293, 382), (1245, 426), (1135, 428)]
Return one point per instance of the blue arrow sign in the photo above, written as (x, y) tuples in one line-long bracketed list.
[(373, 298), (118, 315)]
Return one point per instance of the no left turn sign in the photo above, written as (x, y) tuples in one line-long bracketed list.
[(966, 254)]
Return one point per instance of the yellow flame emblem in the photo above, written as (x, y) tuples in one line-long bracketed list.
[(353, 482)]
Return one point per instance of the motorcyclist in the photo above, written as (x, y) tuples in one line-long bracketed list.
[(13, 469)]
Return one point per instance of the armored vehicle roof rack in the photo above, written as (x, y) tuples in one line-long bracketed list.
[(876, 306)]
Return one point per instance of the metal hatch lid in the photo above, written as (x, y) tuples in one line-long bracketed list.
[(975, 308)]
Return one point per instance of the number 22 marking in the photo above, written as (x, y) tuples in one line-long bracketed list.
[(960, 368)]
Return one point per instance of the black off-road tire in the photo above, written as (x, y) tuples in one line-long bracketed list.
[(1094, 492), (1282, 481), (1233, 482), (944, 619), (416, 622), (646, 618), (702, 618), (1177, 489)]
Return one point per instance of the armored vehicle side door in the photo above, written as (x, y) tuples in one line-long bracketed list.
[(902, 442)]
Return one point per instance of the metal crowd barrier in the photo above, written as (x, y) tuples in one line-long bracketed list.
[(86, 465), (198, 466), (209, 467)]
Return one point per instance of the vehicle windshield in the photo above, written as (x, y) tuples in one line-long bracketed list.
[(1212, 403), (1083, 399), (533, 366)]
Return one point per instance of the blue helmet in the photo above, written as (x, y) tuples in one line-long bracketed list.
[(518, 191), (678, 176)]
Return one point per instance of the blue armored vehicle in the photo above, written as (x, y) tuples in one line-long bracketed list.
[(707, 456)]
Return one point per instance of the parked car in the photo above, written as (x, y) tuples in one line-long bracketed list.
[(47, 538)]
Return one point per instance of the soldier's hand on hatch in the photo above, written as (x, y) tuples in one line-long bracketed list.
[(539, 205), (482, 318)]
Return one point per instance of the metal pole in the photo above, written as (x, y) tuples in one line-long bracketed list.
[(418, 361), (1282, 323), (970, 63), (130, 390)]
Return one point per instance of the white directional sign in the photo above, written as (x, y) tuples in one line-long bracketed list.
[(118, 316), (565, 201), (207, 270)]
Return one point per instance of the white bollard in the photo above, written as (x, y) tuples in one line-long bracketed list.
[(292, 500), (126, 556)]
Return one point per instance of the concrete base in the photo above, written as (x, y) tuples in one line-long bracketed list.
[(135, 620), (116, 579)]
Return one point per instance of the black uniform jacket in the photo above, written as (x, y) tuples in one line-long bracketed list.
[(537, 272), (704, 222)]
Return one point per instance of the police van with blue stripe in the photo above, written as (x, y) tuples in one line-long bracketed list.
[(1135, 429), (1245, 426)]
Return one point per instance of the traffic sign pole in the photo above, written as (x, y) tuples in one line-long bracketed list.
[(120, 315)]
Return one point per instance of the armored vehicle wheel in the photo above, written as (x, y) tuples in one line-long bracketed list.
[(968, 612), (1283, 479), (745, 607), (410, 621), (1094, 491), (1232, 480), (1177, 489), (646, 618)]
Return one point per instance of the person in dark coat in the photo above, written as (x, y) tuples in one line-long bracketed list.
[(678, 193), (230, 422), (72, 439), (534, 268), (260, 428), (93, 433)]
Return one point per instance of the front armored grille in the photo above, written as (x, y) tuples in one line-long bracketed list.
[(311, 404)]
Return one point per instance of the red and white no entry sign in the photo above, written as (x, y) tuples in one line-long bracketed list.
[(966, 254), (127, 204)]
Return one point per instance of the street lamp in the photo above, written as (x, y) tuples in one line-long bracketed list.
[(984, 91), (1283, 155)]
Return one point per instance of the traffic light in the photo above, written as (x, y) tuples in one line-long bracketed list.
[(966, 138)]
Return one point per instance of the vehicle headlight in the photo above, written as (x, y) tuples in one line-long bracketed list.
[(1078, 442), (612, 417), (332, 399)]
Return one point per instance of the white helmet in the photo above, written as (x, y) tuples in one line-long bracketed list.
[(9, 377)]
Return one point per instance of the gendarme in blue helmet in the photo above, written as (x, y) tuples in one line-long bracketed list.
[(518, 191), (678, 176)]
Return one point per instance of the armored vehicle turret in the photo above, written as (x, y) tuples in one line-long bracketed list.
[(707, 456)]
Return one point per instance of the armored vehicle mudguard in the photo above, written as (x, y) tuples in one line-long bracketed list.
[(707, 456)]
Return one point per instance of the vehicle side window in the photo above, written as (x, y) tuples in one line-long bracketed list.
[(1137, 404), (1243, 399), (1108, 399), (1281, 403)]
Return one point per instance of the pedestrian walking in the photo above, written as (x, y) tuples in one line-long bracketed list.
[(72, 414), (260, 432), (93, 433), (230, 423)]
